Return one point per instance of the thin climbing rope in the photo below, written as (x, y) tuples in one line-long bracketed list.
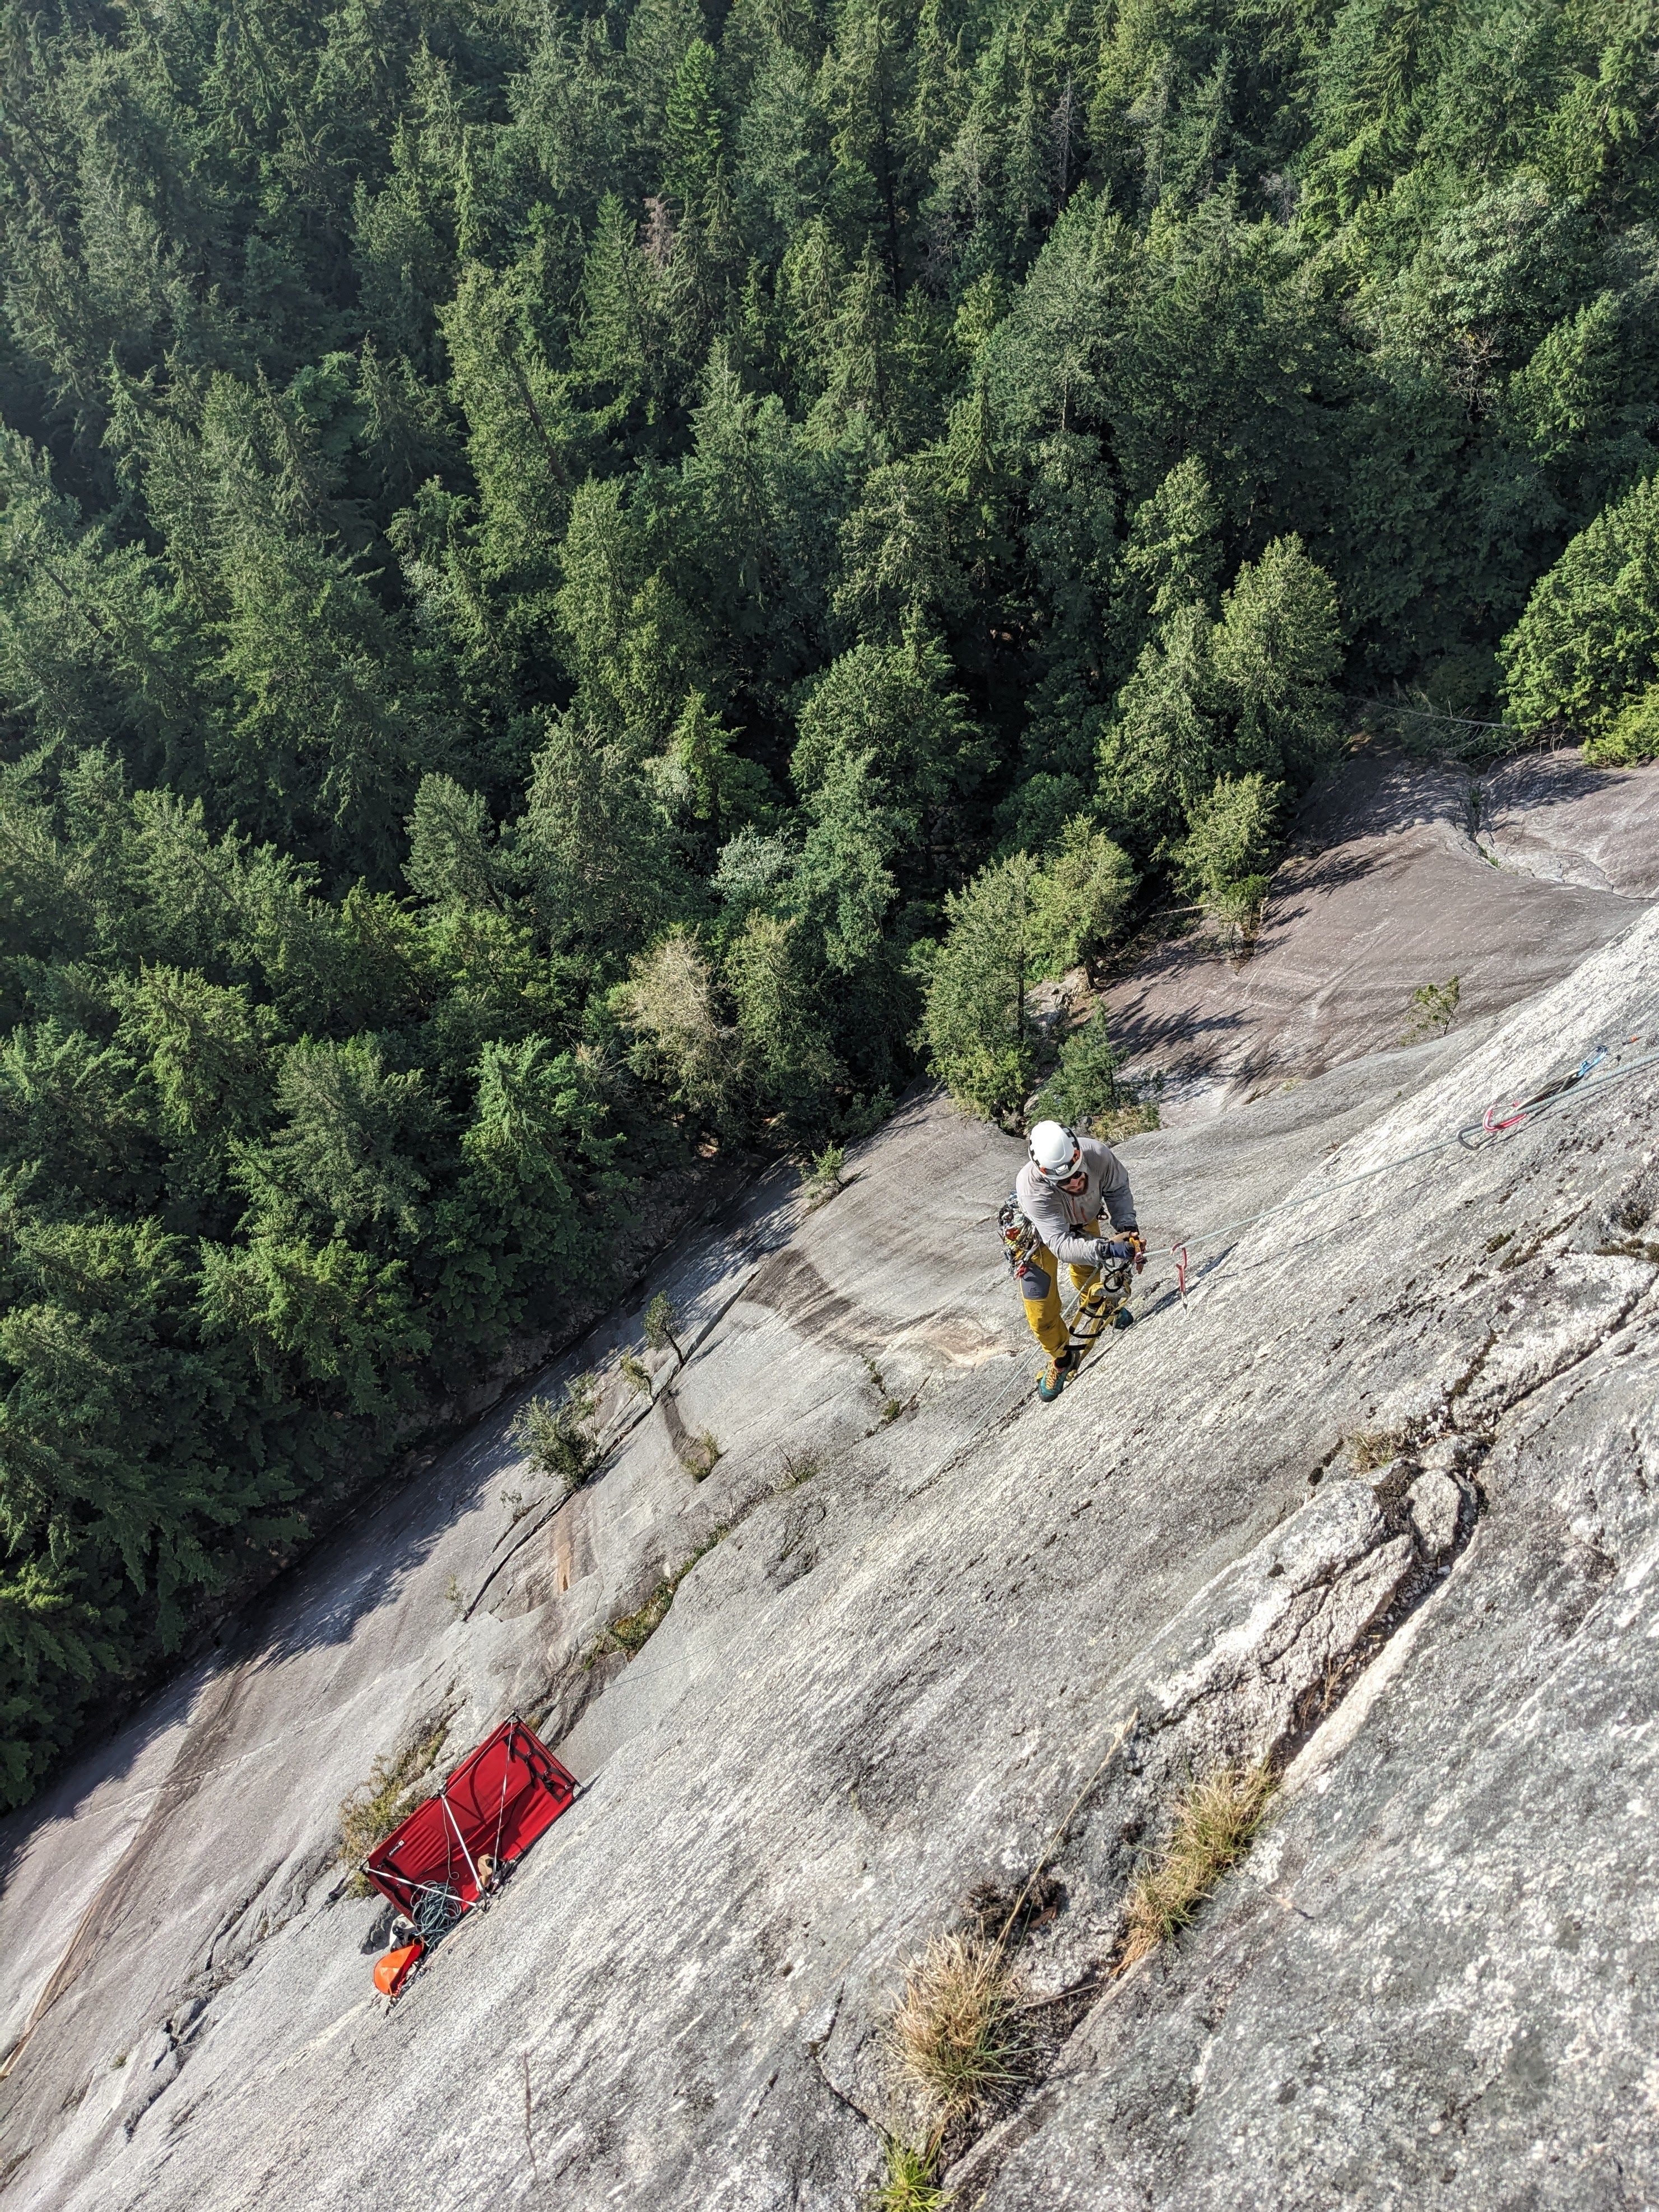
[(1496, 1123)]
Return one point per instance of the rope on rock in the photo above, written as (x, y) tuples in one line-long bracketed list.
[(1498, 1122)]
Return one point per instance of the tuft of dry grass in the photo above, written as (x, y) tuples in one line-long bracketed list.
[(389, 1795), (909, 2184), (1374, 1448), (1212, 1826), (956, 2031)]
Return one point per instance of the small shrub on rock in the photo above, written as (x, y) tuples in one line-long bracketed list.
[(826, 1177), (701, 1455), (391, 1793), (558, 1440), (1433, 1005)]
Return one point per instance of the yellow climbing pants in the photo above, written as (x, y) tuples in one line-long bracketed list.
[(1039, 1285)]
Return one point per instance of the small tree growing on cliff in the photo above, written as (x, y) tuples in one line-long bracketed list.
[(1224, 858), (975, 1024), (1433, 1005), (558, 1439), (662, 1322)]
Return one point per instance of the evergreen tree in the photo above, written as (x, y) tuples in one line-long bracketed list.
[(694, 128), (976, 1024), (1589, 642)]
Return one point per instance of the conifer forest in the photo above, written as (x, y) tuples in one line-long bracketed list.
[(578, 588)]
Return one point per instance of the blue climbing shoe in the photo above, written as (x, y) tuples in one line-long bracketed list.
[(1052, 1379)]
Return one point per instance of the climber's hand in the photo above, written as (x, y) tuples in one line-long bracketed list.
[(1111, 1253), (1137, 1244)]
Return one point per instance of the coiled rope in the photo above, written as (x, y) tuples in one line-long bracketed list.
[(437, 1909)]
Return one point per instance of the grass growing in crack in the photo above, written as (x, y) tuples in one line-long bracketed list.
[(799, 1467), (389, 1795), (634, 1629), (909, 2184), (701, 1455), (1374, 1448), (891, 1406), (1213, 1823), (956, 2030)]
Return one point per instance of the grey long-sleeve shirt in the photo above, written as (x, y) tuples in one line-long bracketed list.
[(1058, 1217)]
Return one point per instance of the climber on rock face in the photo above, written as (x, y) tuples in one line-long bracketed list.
[(1061, 1192)]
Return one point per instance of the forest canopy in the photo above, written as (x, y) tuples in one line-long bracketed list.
[(578, 585)]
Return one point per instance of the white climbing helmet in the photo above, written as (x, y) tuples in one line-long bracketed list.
[(1055, 1153)]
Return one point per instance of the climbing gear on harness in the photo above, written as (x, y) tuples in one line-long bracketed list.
[(1020, 1238), (1055, 1153)]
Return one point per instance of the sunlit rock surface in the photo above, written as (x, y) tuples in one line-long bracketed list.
[(936, 1604)]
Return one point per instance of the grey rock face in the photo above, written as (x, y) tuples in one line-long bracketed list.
[(1399, 875), (1437, 1506), (1378, 1502)]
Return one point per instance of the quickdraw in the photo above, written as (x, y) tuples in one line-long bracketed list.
[(1498, 1120)]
